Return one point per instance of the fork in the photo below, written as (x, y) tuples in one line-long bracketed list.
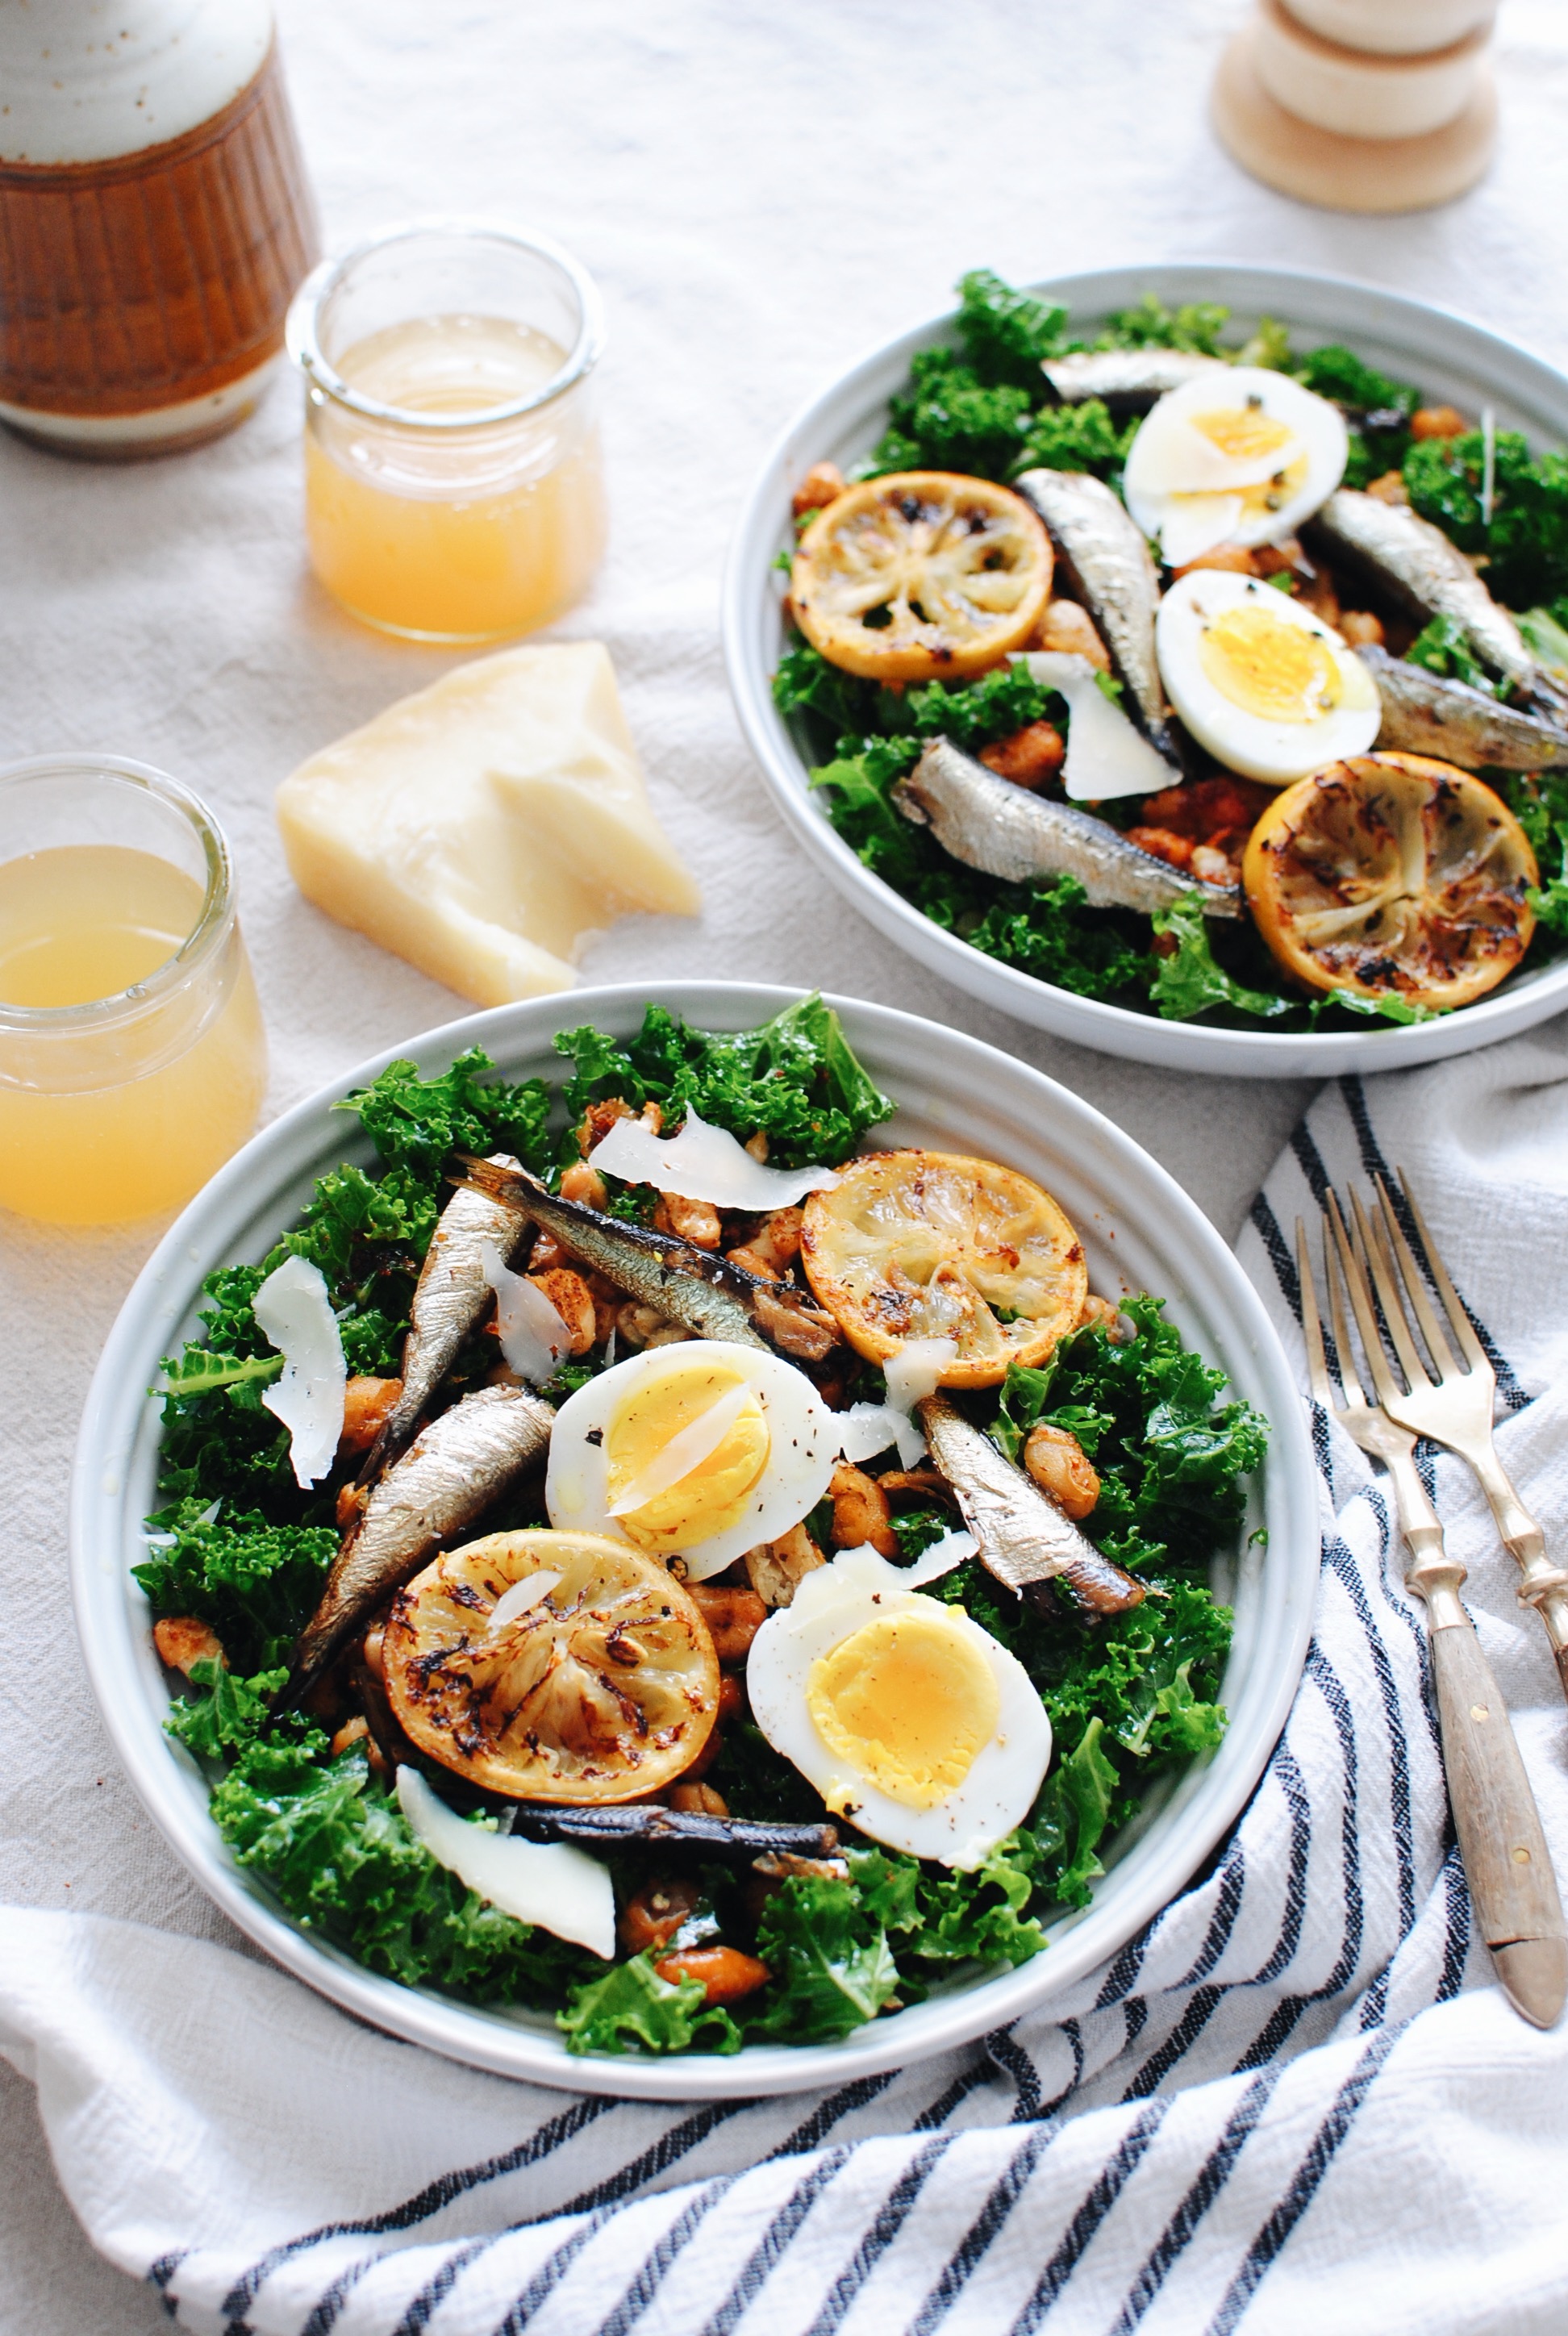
[(1507, 1861), (1457, 1410)]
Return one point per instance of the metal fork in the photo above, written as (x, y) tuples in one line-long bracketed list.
[(1507, 1861), (1455, 1410)]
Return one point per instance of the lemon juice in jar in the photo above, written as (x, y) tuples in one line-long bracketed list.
[(132, 1057), (454, 487)]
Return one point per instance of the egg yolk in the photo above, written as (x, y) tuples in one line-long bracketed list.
[(1279, 671), (710, 1494), (1243, 431), (908, 1700)]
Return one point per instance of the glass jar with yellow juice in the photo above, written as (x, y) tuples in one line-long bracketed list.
[(132, 1057), (453, 489)]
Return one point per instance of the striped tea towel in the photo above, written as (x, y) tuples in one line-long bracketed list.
[(1296, 2101)]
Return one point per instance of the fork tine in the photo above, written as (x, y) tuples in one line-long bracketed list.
[(1312, 1327), (1342, 1342), (1361, 1306), (1380, 1265), (1470, 1346), (1391, 1237)]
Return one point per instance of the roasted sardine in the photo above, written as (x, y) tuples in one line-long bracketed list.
[(989, 823), (1124, 377), (1109, 566), (1415, 565), (1426, 714), (1024, 1538), (704, 1293), (451, 1470), (451, 1294)]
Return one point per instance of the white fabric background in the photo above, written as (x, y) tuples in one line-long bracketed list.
[(762, 192)]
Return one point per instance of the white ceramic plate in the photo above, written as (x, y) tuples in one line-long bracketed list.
[(1451, 358), (1141, 1232)]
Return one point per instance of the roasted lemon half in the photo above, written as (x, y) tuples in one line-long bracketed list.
[(1392, 873), (934, 1245), (919, 575), (553, 1667)]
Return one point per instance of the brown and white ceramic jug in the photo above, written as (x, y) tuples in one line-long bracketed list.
[(154, 219)]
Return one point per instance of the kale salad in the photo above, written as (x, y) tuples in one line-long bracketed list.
[(635, 1553), (1322, 623)]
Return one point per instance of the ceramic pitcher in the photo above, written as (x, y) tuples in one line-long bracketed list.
[(154, 219)]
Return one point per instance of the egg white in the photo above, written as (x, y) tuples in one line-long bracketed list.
[(1186, 493), (1274, 752), (1000, 1788), (804, 1445)]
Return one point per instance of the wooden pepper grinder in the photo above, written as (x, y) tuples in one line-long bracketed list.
[(1361, 105)]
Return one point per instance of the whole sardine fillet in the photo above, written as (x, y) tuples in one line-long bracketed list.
[(1415, 563), (1127, 377), (451, 1470), (451, 1294), (1425, 714), (704, 1293), (1024, 1538), (989, 823), (1110, 567)]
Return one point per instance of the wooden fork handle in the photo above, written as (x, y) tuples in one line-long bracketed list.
[(1507, 1861)]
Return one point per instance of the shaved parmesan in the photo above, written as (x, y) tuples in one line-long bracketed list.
[(685, 1452), (532, 1590), (294, 1308), (869, 1428), (1106, 758), (702, 1164), (533, 1337), (917, 1369), (940, 1558), (560, 1889)]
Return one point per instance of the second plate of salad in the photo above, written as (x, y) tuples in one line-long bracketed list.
[(1177, 657)]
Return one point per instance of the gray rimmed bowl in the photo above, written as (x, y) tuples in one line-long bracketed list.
[(1140, 1231), (1453, 359)]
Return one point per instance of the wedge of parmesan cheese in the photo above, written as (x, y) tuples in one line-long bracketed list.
[(487, 827)]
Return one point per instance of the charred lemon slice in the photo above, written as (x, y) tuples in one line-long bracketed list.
[(919, 575), (553, 1667), (932, 1245), (1390, 873)]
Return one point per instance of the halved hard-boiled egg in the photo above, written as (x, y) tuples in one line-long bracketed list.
[(1240, 455), (912, 1723), (698, 1451), (1269, 688)]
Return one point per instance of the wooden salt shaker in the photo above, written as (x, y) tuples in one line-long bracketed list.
[(154, 220), (1361, 105)]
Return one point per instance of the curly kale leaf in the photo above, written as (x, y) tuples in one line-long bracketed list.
[(1539, 802), (942, 1917), (796, 1079), (805, 682), (421, 1121), (1079, 437), (226, 1713), (1442, 646), (832, 1967), (1196, 326), (338, 1853), (1049, 930), (254, 1582), (1188, 980), (950, 418), (1007, 334), (632, 2009), (1525, 542), (1077, 1807)]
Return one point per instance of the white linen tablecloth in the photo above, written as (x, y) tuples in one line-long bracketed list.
[(762, 192)]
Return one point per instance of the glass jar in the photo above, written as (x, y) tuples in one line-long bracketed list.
[(454, 488), (132, 1056)]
